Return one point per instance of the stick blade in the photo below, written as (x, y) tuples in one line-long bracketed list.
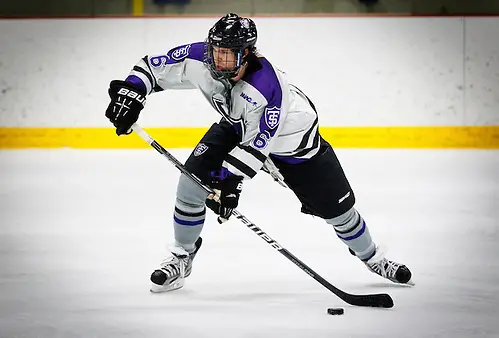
[(374, 300)]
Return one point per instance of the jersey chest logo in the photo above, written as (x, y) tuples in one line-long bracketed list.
[(272, 117)]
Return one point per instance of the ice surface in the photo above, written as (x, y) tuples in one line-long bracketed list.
[(81, 231)]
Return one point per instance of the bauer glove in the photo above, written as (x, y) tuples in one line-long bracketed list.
[(126, 103)]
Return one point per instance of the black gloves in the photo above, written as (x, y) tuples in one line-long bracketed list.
[(230, 190), (126, 103)]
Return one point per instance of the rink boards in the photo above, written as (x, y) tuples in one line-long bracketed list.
[(385, 82)]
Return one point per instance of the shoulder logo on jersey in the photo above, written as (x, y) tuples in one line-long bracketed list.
[(200, 149), (248, 98), (180, 52), (272, 117)]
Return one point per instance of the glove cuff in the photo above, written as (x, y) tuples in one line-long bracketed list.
[(115, 85)]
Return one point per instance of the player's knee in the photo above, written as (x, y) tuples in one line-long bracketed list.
[(346, 221), (189, 193)]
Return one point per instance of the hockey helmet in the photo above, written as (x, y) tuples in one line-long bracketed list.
[(233, 32)]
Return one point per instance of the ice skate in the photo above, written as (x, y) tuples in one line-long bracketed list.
[(393, 271), (174, 269)]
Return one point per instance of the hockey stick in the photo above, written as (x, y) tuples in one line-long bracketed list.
[(370, 300)]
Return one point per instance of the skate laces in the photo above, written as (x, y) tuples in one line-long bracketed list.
[(382, 266), (385, 268), (175, 265)]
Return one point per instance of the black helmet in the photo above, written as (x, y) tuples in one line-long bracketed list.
[(234, 32)]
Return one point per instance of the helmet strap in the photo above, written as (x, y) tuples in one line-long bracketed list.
[(238, 58)]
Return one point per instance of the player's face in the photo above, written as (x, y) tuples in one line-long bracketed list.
[(225, 58)]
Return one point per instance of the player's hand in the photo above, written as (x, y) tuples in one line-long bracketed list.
[(126, 103), (230, 189)]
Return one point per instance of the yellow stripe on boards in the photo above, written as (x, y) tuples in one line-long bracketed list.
[(95, 138), (476, 137), (138, 7), (486, 137)]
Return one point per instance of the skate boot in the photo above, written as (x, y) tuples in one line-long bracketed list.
[(393, 271), (174, 269)]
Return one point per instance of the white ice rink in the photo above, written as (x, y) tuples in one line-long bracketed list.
[(81, 231)]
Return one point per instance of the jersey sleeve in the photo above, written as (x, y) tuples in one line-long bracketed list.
[(263, 110), (173, 70)]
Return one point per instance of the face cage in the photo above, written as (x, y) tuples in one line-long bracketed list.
[(209, 61)]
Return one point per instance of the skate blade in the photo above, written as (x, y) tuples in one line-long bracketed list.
[(179, 283), (410, 282)]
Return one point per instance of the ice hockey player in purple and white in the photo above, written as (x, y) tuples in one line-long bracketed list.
[(266, 123)]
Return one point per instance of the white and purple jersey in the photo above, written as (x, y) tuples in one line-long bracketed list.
[(272, 116)]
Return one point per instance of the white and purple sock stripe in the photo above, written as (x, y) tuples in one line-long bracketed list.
[(189, 218), (354, 233)]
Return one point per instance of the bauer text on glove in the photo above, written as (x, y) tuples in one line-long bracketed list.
[(126, 103)]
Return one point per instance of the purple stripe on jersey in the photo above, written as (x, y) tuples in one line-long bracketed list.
[(188, 223), (197, 51), (193, 51), (266, 82), (137, 81), (289, 159), (357, 235)]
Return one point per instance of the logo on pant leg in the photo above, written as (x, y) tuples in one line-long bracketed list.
[(200, 149), (344, 197)]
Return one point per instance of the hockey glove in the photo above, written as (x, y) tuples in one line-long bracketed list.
[(126, 103), (230, 189)]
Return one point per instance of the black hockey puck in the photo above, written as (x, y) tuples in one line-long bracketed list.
[(335, 311)]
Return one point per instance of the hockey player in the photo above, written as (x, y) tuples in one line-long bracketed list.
[(267, 123)]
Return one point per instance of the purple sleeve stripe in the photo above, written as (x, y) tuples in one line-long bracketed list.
[(267, 83), (194, 51), (197, 51), (273, 92)]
